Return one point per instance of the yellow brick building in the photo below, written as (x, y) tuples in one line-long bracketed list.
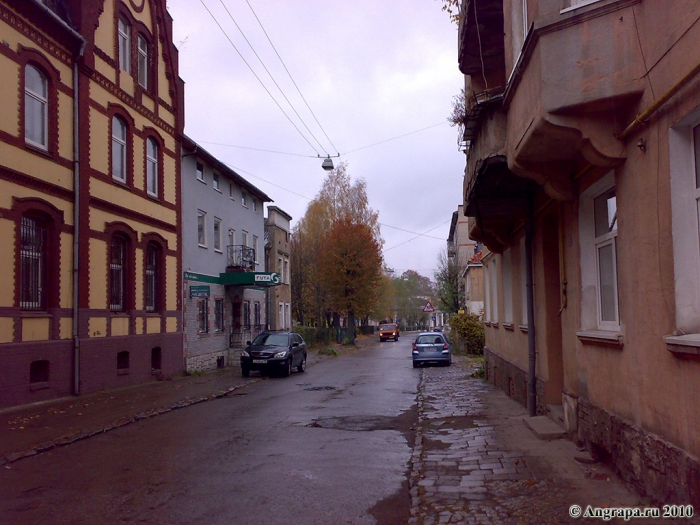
[(90, 126)]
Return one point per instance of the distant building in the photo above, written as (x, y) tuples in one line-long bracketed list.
[(90, 120), (461, 250), (277, 235), (223, 236)]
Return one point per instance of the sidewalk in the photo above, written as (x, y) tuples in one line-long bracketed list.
[(31, 429), (475, 461)]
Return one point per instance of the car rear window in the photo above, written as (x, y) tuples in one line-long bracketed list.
[(387, 327), (429, 339), (272, 339)]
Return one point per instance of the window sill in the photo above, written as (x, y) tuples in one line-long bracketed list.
[(202, 181), (123, 372), (494, 324), (508, 326), (35, 313), (40, 385), (524, 328), (202, 246), (217, 189), (688, 344), (601, 337), (578, 6)]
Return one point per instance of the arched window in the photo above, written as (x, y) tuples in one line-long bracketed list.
[(33, 252), (153, 278), (151, 167), (143, 61), (118, 149), (36, 103), (124, 42), (117, 274)]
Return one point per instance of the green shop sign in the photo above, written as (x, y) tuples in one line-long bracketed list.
[(235, 279)]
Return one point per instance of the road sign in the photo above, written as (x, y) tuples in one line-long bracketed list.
[(428, 307)]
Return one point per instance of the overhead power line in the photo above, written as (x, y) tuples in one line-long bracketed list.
[(419, 235), (270, 74), (257, 77), (291, 78)]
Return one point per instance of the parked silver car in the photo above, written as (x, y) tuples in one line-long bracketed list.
[(431, 347)]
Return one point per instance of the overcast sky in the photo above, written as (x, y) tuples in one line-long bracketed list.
[(370, 70)]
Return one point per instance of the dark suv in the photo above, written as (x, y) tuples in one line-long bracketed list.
[(274, 352)]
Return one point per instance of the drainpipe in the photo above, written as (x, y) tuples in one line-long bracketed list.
[(76, 224), (76, 186), (532, 379)]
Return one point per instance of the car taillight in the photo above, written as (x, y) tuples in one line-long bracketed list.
[(445, 346), (414, 346)]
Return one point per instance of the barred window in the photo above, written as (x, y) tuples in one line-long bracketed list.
[(117, 275), (152, 277), (32, 264), (256, 314), (246, 313)]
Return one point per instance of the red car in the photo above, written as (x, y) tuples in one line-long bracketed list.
[(389, 331)]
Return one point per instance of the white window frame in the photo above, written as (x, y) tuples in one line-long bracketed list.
[(142, 45), (36, 102), (202, 228), (231, 192), (199, 169), (494, 289), (507, 271), (124, 44), (151, 167), (215, 181), (487, 291), (280, 316), (119, 149), (255, 247), (244, 198), (217, 234), (523, 283), (591, 311), (685, 209), (285, 279), (244, 238), (255, 204)]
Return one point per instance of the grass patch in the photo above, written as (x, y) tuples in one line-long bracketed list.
[(332, 352)]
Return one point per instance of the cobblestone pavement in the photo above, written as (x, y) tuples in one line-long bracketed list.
[(476, 462)]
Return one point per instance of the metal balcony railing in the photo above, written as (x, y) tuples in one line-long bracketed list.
[(242, 257)]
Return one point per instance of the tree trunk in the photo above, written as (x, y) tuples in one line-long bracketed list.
[(351, 326)]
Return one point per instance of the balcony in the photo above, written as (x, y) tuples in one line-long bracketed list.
[(240, 258)]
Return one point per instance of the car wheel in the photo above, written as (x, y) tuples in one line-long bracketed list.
[(415, 365), (287, 371), (245, 371), (302, 365), (381, 339), (396, 338)]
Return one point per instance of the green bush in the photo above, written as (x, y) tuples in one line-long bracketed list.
[(468, 332)]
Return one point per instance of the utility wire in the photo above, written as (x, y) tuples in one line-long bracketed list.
[(290, 77), (270, 74), (257, 77), (409, 231), (313, 156), (419, 235), (394, 138)]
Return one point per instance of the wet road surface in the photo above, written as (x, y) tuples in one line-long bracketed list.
[(329, 446)]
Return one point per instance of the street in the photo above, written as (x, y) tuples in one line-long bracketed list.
[(328, 446)]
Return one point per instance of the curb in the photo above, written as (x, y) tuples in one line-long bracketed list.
[(118, 423)]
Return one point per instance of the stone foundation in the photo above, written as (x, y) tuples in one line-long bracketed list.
[(657, 468), (511, 379)]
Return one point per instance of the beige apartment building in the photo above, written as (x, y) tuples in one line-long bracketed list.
[(582, 178), (278, 232), (90, 121)]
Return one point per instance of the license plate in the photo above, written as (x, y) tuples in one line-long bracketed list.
[(259, 361)]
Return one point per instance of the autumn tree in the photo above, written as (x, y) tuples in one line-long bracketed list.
[(412, 290), (350, 266), (339, 199), (384, 309), (447, 279)]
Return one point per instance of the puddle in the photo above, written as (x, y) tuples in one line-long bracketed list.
[(321, 388), (450, 423)]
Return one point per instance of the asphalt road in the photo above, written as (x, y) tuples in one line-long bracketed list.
[(329, 446)]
